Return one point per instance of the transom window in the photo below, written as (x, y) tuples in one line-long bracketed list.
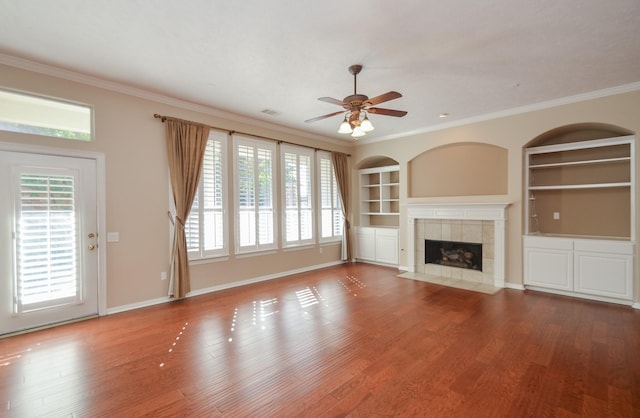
[(20, 112)]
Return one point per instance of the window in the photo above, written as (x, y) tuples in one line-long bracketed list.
[(297, 195), (47, 273), (43, 116), (331, 218), (205, 228), (254, 189)]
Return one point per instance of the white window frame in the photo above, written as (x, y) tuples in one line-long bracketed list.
[(257, 246), (334, 198), (201, 253), (299, 207)]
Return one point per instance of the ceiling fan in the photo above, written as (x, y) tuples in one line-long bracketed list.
[(356, 107)]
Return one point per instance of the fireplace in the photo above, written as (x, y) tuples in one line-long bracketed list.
[(466, 255), (482, 223)]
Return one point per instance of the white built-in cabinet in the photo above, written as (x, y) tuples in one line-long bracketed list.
[(602, 269), (378, 245), (580, 216)]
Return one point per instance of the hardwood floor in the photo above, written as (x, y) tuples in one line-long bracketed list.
[(351, 340)]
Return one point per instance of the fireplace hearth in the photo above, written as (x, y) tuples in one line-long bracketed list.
[(454, 254)]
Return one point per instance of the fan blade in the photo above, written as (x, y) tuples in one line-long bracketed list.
[(332, 101), (324, 116), (383, 98), (387, 112)]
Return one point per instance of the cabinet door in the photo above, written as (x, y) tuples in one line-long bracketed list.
[(365, 244), (387, 246), (604, 274), (551, 268)]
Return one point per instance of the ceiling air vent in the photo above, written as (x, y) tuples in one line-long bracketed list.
[(270, 112)]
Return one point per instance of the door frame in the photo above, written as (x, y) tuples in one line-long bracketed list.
[(100, 160)]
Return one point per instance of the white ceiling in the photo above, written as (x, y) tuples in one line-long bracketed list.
[(467, 58)]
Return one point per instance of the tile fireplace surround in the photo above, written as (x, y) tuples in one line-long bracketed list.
[(472, 222)]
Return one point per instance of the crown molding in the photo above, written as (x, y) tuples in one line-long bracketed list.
[(49, 70), (583, 97), (69, 75)]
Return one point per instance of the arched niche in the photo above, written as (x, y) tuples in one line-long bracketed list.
[(460, 169), (578, 132), (376, 161)]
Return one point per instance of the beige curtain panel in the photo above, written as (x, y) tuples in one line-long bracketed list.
[(186, 143), (341, 170)]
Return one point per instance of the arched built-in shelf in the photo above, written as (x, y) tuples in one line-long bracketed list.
[(580, 212), (377, 234)]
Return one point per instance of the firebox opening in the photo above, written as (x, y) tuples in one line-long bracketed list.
[(455, 254)]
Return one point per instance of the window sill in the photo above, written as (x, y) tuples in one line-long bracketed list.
[(207, 260), (255, 253), (299, 247), (331, 242)]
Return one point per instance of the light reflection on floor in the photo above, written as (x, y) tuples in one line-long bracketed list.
[(276, 324), (7, 359), (64, 373), (263, 311), (352, 284), (175, 342)]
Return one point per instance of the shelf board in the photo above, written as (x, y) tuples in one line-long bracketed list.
[(584, 162), (581, 186), (570, 146)]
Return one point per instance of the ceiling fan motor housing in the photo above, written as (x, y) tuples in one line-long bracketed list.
[(355, 101)]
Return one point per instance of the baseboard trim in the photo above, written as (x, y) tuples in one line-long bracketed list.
[(138, 305), (513, 286), (261, 279), (584, 296), (158, 301)]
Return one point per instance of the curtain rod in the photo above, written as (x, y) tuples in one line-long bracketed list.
[(231, 132)]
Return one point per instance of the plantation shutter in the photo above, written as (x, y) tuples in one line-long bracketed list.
[(46, 234)]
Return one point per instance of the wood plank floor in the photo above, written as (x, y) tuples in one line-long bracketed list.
[(350, 340)]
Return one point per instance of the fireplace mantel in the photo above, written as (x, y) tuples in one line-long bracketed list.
[(495, 212), (475, 211)]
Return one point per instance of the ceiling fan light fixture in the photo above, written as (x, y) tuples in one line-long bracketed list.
[(358, 132), (357, 106), (366, 124), (345, 127)]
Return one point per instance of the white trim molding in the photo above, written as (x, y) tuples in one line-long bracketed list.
[(495, 212)]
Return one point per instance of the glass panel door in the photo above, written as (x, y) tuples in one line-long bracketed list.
[(48, 260)]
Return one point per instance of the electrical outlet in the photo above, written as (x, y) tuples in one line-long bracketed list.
[(556, 216), (163, 275)]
